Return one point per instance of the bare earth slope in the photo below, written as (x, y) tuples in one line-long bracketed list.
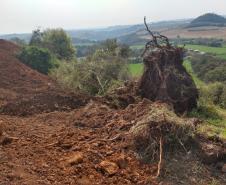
[(24, 91), (84, 143), (16, 79)]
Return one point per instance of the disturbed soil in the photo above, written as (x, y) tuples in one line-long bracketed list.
[(48, 136)]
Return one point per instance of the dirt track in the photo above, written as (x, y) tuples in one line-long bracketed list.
[(86, 144)]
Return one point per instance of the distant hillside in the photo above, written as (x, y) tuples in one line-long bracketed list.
[(24, 36), (124, 33), (104, 33), (208, 19)]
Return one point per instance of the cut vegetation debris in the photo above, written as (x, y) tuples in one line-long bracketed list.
[(161, 131)]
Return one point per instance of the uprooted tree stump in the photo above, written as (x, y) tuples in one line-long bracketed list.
[(165, 78)]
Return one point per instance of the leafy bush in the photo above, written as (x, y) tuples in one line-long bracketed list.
[(67, 75), (216, 91), (217, 74), (213, 94), (37, 58)]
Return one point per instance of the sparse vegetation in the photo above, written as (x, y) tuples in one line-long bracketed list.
[(95, 75), (92, 77)]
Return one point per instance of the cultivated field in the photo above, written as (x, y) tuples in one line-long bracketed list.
[(199, 32)]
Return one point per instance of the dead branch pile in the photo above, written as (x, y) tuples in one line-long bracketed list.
[(165, 77), (160, 131)]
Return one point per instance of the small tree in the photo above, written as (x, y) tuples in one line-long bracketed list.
[(58, 42), (36, 38), (37, 58), (55, 40)]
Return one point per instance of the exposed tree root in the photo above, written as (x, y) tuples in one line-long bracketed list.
[(160, 164), (165, 77)]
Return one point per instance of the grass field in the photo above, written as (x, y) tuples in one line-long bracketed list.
[(198, 82), (137, 47), (220, 52), (136, 69), (212, 125)]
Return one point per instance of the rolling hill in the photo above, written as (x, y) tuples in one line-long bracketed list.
[(209, 19)]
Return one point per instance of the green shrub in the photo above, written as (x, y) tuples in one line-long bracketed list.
[(37, 58), (213, 94), (217, 74), (216, 91), (223, 97), (67, 75)]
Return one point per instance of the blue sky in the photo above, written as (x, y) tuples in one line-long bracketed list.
[(17, 16)]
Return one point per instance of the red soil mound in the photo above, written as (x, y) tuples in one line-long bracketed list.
[(24, 91), (16, 79)]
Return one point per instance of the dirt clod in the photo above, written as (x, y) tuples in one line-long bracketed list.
[(84, 181), (75, 158), (109, 167), (5, 140), (122, 161)]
